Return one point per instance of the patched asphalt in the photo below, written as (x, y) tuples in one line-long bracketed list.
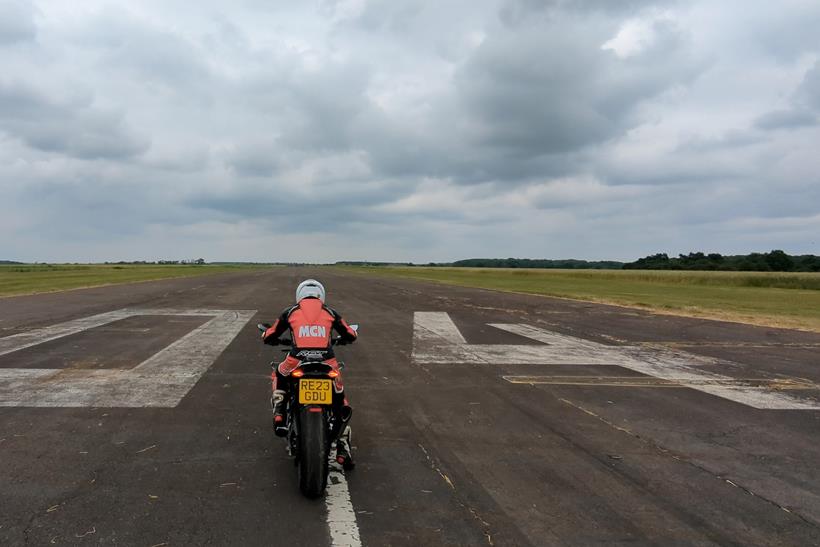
[(448, 454)]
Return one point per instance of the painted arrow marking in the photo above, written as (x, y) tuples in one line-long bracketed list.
[(437, 340)]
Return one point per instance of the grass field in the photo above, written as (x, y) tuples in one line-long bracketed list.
[(18, 279), (772, 299)]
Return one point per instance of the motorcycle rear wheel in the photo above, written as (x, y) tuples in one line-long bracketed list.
[(312, 466)]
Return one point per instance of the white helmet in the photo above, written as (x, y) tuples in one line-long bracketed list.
[(310, 288)]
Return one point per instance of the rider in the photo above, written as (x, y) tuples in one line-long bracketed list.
[(310, 322)]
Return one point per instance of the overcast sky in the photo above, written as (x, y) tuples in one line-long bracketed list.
[(407, 130)]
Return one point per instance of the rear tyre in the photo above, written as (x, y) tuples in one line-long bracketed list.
[(313, 453)]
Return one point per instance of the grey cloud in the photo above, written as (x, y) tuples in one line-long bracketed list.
[(328, 105), (288, 212), (729, 140), (184, 157), (461, 163), (785, 119), (74, 128), (256, 158), (514, 12), (263, 198), (789, 33), (763, 198), (389, 15), (250, 204), (516, 110), (85, 205), (425, 131), (552, 92), (16, 22), (621, 6), (804, 109), (525, 104), (300, 115), (809, 91), (687, 165), (302, 110), (144, 54)]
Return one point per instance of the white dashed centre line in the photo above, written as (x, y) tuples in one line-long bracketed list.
[(341, 518)]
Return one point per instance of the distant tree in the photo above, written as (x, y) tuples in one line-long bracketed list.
[(778, 261)]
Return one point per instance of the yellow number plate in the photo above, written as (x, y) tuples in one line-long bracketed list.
[(315, 392)]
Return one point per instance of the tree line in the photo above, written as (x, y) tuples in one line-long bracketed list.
[(773, 261), (568, 264)]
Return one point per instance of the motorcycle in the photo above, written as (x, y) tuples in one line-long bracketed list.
[(312, 421)]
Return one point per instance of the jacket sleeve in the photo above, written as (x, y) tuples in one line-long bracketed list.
[(340, 326), (279, 328)]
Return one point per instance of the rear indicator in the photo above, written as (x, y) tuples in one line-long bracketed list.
[(297, 373), (333, 374)]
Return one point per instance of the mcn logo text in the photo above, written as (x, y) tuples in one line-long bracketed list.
[(312, 331)]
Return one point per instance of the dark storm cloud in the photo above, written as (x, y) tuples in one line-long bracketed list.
[(75, 127)]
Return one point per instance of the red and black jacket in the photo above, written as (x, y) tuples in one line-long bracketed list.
[(311, 324)]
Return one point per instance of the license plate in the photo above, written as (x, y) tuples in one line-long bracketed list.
[(315, 392)]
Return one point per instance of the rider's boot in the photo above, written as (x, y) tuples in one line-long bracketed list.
[(344, 452), (277, 401), (346, 413)]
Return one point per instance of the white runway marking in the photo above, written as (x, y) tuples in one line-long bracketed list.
[(436, 326), (650, 381), (32, 338), (160, 381), (436, 340), (341, 518)]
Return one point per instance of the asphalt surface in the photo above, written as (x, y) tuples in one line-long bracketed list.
[(448, 454)]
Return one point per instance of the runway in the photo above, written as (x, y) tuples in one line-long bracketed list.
[(139, 415)]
